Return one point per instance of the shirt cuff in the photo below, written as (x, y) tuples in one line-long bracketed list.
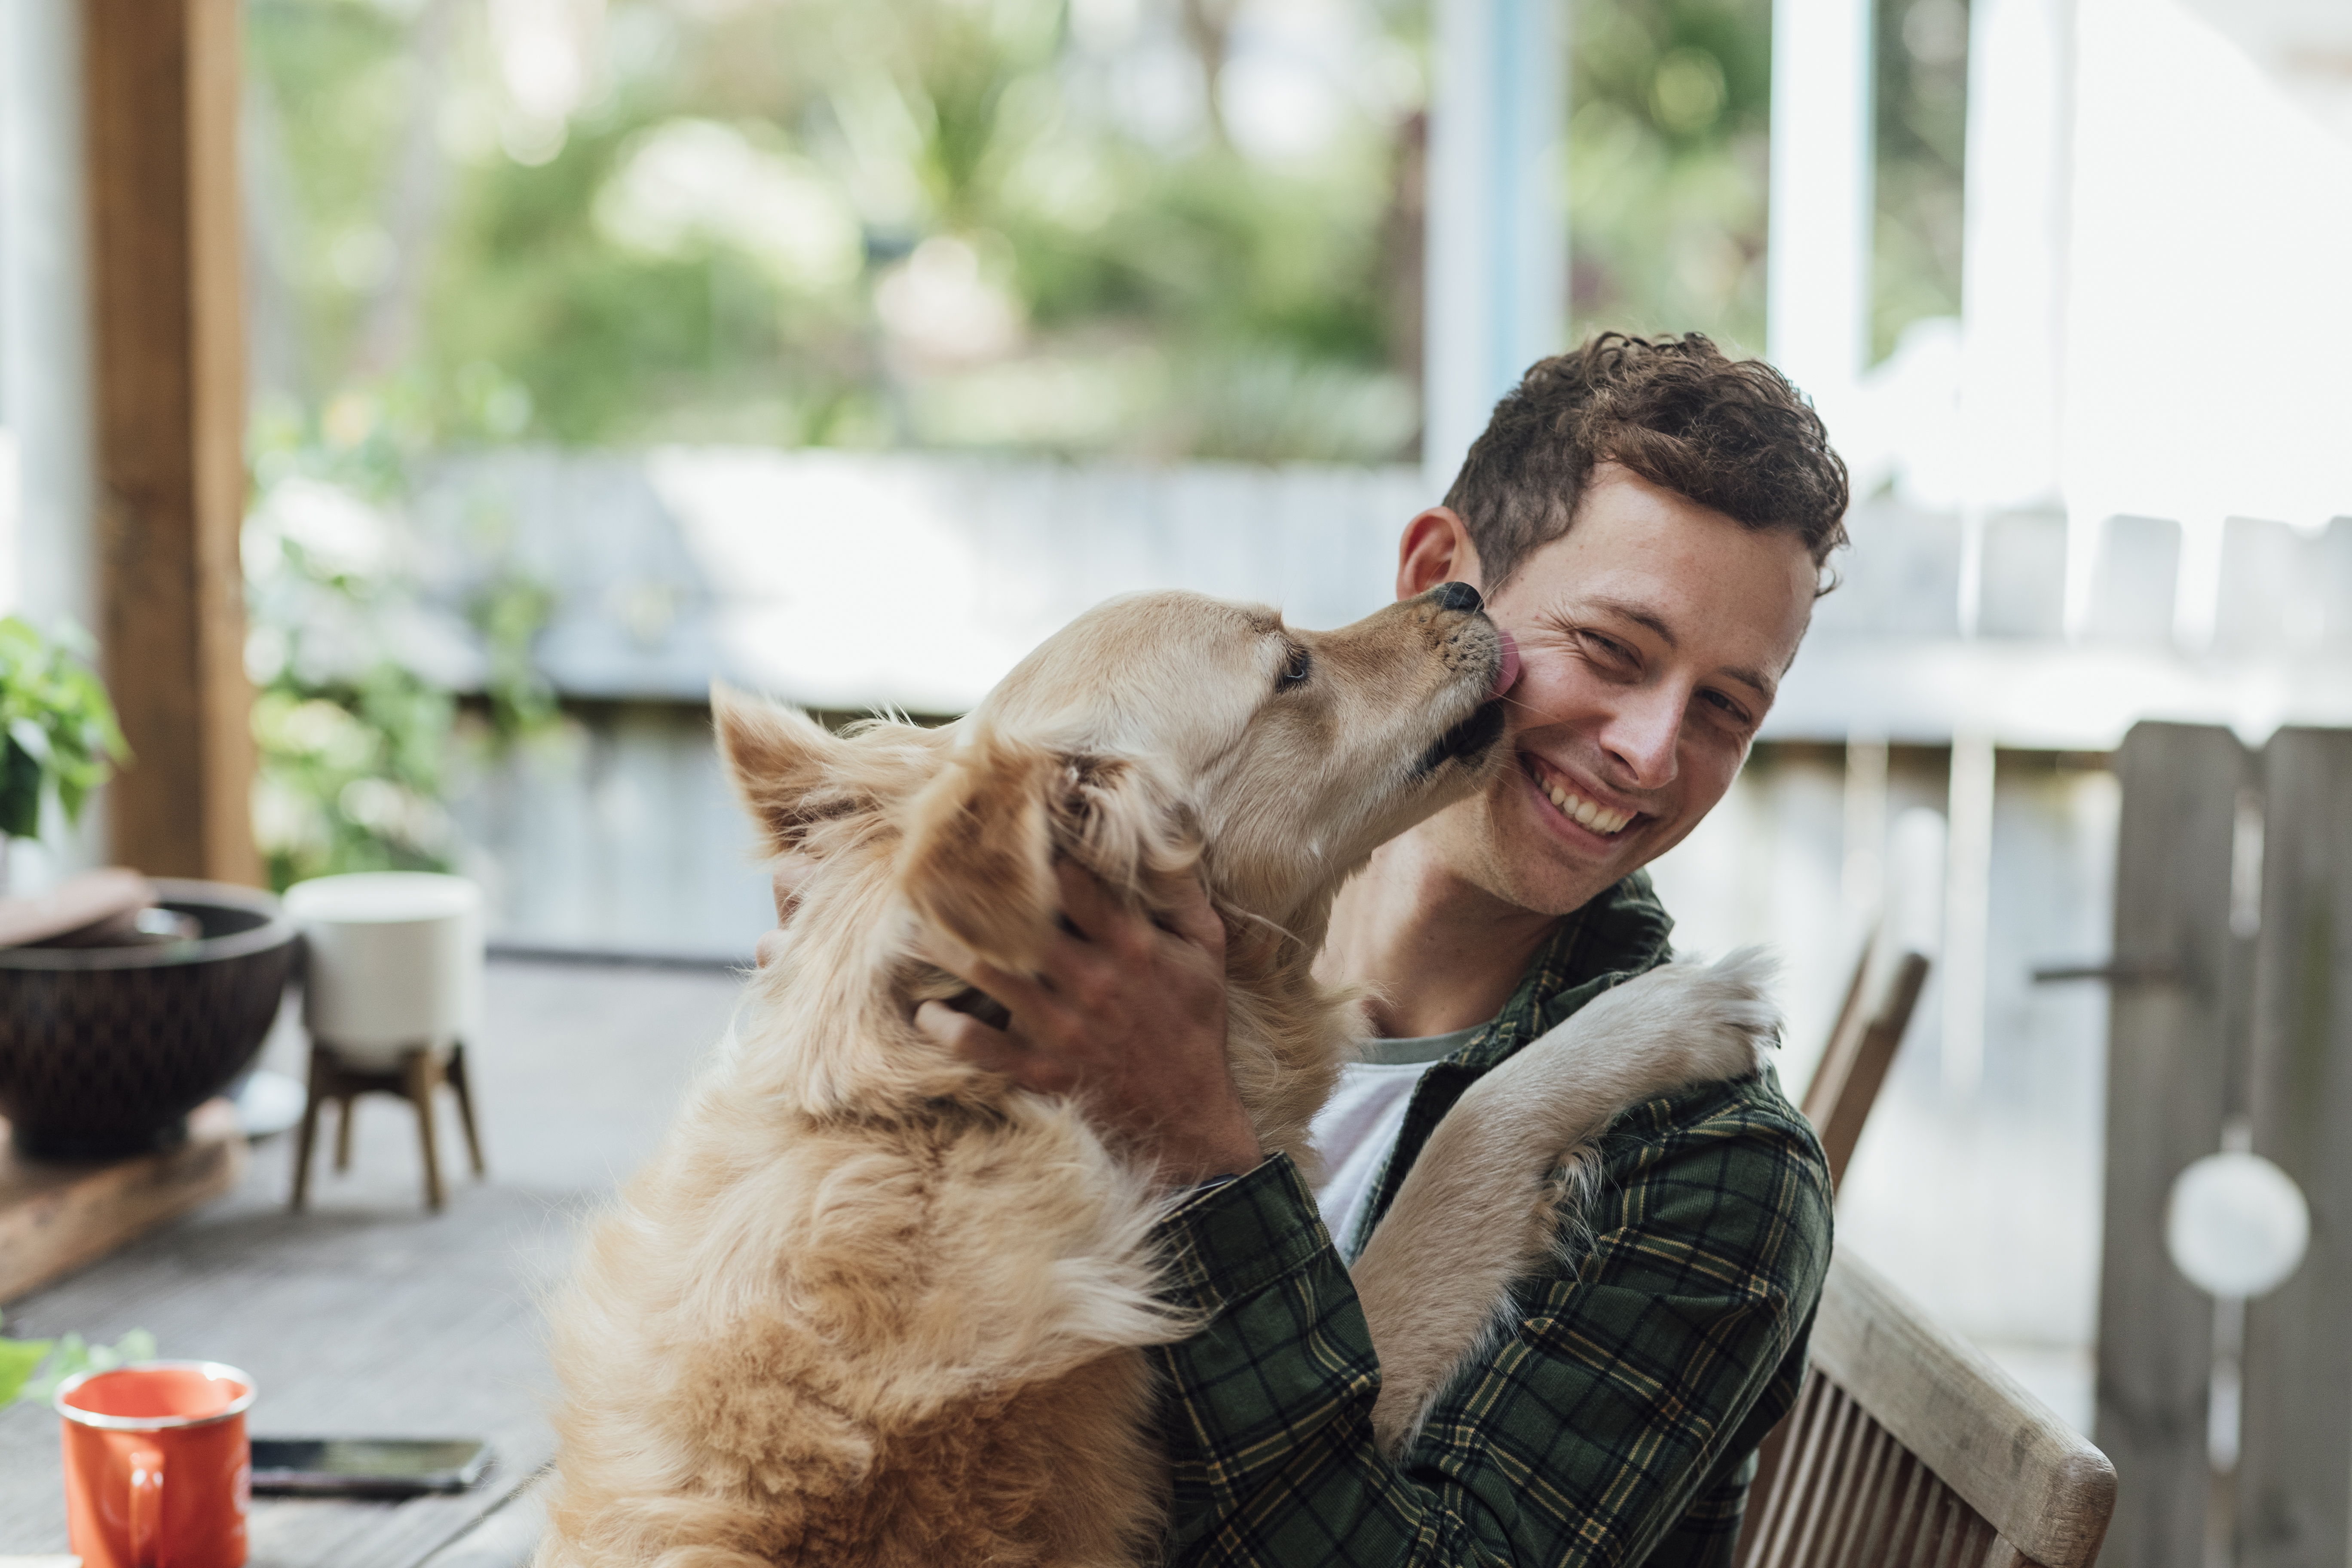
[(1230, 1241)]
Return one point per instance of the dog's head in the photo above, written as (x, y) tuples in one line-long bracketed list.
[(1153, 733)]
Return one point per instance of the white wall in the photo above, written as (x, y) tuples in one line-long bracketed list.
[(47, 568), (47, 556)]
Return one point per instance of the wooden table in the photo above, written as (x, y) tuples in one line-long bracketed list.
[(390, 1323), (365, 1315), (56, 1218)]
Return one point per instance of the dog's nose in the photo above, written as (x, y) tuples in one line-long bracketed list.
[(1458, 596)]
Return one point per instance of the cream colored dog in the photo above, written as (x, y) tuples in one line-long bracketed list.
[(873, 1306)]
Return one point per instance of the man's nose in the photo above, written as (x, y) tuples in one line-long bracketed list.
[(1645, 734)]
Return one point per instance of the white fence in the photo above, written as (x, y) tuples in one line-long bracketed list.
[(844, 581)]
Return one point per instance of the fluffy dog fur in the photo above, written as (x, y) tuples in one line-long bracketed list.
[(872, 1306)]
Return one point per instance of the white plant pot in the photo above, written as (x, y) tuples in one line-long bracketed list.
[(395, 963)]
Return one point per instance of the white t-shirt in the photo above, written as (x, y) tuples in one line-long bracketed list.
[(1359, 1125)]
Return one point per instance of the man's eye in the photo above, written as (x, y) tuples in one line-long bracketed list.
[(1608, 648), (1726, 706), (1295, 672)]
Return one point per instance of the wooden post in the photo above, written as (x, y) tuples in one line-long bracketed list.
[(2295, 1474), (2176, 973), (167, 297)]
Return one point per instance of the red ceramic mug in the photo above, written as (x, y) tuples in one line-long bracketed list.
[(158, 1471)]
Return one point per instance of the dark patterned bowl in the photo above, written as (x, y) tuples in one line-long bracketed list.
[(105, 1050)]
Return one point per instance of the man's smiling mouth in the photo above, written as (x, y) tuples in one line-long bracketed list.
[(1606, 821)]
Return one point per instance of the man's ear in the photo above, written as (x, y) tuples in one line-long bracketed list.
[(1436, 548), (978, 861), (782, 764)]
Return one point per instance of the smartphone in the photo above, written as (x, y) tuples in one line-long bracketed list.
[(367, 1467)]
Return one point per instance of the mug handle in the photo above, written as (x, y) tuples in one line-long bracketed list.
[(146, 1505)]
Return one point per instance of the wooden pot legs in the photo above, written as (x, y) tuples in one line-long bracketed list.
[(418, 1074)]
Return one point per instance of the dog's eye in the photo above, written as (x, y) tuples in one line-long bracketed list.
[(1294, 673)]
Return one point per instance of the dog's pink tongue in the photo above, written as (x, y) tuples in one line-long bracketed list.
[(1510, 674)]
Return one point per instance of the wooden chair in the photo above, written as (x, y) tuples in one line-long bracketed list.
[(1860, 1051), (1909, 1448)]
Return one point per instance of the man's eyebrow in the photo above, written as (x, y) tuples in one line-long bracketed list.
[(1640, 614), (1756, 681)]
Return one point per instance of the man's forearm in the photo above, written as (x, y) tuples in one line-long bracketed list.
[(1587, 1436), (1270, 1428)]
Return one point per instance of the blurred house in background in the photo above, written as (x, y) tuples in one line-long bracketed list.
[(842, 348)]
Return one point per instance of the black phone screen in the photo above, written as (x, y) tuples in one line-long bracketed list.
[(367, 1467)]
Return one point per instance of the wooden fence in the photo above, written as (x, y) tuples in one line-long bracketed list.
[(2230, 1022)]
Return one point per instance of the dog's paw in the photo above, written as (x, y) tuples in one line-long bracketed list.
[(1693, 1023)]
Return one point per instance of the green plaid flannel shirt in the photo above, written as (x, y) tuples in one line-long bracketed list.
[(1617, 1424)]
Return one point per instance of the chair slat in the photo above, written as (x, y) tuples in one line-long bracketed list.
[(1904, 1527), (1969, 1535), (1803, 1466), (1851, 1547), (2030, 1476), (1837, 1511), (1943, 1521), (1822, 1486), (1846, 1490), (1854, 1496), (1774, 1494), (1896, 1484)]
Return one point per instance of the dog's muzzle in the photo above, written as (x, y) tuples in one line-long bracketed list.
[(1466, 741)]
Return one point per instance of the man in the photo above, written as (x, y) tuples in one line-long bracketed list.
[(1649, 520)]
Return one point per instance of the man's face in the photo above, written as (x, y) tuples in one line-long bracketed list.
[(1652, 636)]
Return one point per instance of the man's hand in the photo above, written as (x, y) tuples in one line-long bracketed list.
[(1128, 1016)]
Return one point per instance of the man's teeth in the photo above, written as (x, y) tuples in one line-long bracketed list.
[(1600, 818)]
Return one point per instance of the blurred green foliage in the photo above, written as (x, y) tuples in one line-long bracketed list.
[(1668, 147), (61, 739), (355, 740), (1006, 223), (32, 1369), (932, 223), (1040, 226), (1668, 154), (1922, 104)]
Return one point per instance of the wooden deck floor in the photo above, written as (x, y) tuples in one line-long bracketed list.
[(366, 1316)]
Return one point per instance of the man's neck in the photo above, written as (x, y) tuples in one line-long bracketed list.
[(1439, 953)]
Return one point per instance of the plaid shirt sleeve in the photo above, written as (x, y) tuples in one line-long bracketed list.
[(1616, 1424)]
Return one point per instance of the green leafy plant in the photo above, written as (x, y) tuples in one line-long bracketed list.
[(356, 734), (547, 288), (62, 738), (32, 1369)]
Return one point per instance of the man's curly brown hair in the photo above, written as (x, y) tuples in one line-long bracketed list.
[(1732, 434)]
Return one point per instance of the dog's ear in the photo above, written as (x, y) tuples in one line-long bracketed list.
[(782, 763), (978, 861), (1121, 819)]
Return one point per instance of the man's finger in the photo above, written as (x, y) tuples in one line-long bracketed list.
[(1106, 922), (969, 1038), (984, 1046), (1081, 974), (1039, 1012), (1018, 994), (1085, 903), (1192, 917)]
